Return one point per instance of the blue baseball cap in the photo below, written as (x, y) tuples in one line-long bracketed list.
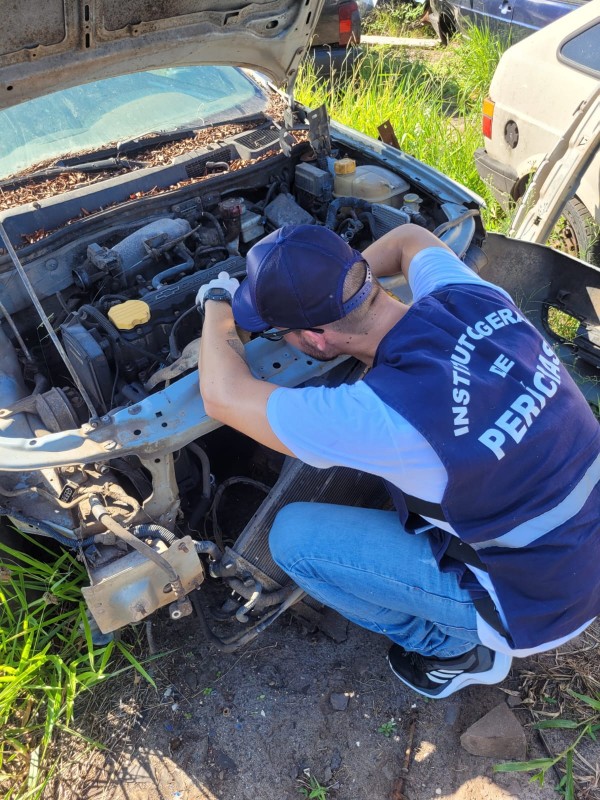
[(295, 279)]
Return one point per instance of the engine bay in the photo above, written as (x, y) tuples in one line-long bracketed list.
[(107, 449)]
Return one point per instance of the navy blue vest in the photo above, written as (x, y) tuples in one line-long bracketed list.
[(520, 445)]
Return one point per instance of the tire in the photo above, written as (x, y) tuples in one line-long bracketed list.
[(448, 25), (442, 20), (576, 233)]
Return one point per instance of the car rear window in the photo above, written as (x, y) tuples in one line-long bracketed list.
[(583, 49)]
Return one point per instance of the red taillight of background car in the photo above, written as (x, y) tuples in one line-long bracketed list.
[(349, 23), (488, 116)]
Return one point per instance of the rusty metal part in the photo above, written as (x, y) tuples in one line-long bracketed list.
[(130, 588), (387, 134), (104, 516), (180, 608), (162, 505)]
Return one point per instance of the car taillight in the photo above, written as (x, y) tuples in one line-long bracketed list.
[(349, 23), (488, 116)]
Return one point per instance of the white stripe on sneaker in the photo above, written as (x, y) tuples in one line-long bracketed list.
[(460, 679), (450, 672), (446, 674)]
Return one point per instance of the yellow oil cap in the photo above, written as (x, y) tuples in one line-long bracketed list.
[(345, 166), (127, 315)]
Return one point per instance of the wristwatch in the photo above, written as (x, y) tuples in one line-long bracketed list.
[(219, 294)]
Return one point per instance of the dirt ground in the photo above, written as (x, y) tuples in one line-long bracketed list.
[(254, 724)]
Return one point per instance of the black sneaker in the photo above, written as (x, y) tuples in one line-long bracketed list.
[(441, 677)]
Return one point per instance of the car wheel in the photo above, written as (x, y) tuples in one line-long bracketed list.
[(441, 19), (447, 24), (576, 233)]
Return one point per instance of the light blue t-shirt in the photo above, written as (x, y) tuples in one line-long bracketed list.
[(350, 426)]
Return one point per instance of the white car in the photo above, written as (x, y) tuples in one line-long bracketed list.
[(537, 87)]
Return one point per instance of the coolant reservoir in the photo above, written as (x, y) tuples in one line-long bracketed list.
[(368, 182)]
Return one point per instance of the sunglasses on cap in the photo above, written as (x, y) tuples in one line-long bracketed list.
[(277, 336)]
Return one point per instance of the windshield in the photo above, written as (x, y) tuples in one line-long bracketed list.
[(91, 116)]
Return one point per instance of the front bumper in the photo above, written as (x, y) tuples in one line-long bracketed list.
[(499, 177)]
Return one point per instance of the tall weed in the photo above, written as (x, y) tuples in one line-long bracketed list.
[(472, 61), (434, 106), (403, 19), (47, 659)]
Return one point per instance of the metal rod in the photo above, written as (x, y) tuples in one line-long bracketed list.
[(46, 322), (15, 330)]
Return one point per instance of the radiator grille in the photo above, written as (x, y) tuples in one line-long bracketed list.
[(387, 218), (299, 482)]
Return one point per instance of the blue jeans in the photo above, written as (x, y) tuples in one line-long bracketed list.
[(362, 563)]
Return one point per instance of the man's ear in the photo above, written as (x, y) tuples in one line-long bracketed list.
[(316, 340)]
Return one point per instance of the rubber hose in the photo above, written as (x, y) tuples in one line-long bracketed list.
[(204, 502), (339, 202), (452, 223), (211, 218), (209, 549), (153, 530), (103, 516), (174, 351)]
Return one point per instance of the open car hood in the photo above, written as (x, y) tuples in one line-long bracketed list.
[(73, 43)]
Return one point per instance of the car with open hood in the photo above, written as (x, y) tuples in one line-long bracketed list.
[(146, 147)]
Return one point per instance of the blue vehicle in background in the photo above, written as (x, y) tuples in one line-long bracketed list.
[(511, 19)]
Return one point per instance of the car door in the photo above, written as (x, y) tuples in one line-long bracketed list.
[(493, 14), (531, 15)]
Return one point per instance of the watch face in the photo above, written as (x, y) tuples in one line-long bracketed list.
[(218, 293)]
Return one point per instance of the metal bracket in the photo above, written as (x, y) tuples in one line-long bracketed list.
[(318, 131), (387, 134)]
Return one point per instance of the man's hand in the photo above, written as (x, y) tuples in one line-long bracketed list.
[(223, 281)]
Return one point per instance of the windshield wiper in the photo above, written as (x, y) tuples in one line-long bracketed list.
[(155, 139), (115, 158), (59, 168), (121, 149)]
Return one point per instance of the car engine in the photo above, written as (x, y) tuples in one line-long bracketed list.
[(104, 443)]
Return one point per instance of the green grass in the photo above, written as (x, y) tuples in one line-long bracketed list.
[(589, 726), (434, 106), (47, 660), (311, 788), (403, 20), (388, 729)]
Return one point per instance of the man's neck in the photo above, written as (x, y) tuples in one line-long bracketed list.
[(385, 314)]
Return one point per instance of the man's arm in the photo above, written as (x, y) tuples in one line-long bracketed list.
[(395, 250), (231, 394)]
